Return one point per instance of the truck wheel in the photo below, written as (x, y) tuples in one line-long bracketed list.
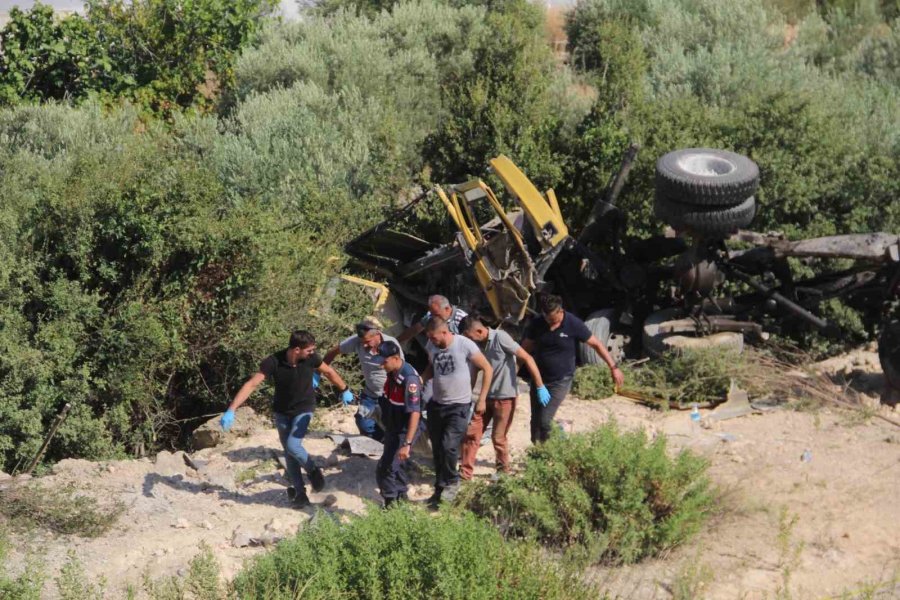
[(600, 323), (707, 177), (657, 342), (705, 220), (889, 355)]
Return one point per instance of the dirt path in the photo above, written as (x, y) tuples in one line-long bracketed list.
[(812, 529)]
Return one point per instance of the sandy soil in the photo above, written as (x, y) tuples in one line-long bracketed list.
[(786, 527)]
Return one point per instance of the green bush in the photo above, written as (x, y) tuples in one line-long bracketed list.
[(593, 382), (405, 553), (605, 496), (65, 510), (162, 55)]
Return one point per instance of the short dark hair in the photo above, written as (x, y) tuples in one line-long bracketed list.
[(550, 303), (471, 321), (434, 323), (300, 338), (388, 349)]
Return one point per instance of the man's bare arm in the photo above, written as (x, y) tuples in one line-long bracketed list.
[(331, 355), (594, 343), (332, 376), (248, 388), (411, 332), (487, 374), (528, 360)]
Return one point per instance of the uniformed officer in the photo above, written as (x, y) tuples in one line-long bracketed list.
[(401, 407)]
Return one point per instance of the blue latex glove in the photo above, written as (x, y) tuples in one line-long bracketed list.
[(543, 395), (346, 396), (227, 420), (316, 379)]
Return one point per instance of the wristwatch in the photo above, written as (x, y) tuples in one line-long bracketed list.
[(406, 444)]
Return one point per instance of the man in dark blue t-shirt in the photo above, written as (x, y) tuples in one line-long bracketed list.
[(553, 341)]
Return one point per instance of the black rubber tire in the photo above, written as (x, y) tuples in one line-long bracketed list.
[(705, 220), (600, 324), (706, 177)]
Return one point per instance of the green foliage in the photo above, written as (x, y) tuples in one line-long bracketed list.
[(405, 553), (508, 104), (49, 59), (162, 55), (203, 580), (64, 510), (25, 586), (72, 583), (605, 496), (593, 383), (683, 378)]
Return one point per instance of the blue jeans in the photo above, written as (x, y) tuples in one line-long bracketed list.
[(291, 431), (367, 425)]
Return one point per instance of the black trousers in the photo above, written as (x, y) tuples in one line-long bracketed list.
[(542, 416), (390, 474), (447, 424)]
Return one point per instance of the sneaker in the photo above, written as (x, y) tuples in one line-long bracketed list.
[(449, 493), (434, 501), (300, 499), (317, 479), (291, 493)]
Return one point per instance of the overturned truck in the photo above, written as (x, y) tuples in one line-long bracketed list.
[(707, 282)]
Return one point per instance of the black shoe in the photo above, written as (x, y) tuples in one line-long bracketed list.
[(291, 492), (316, 479), (300, 499), (434, 501), (400, 499)]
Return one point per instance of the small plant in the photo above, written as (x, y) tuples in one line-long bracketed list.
[(202, 582), (249, 474), (788, 552), (26, 586), (63, 510), (690, 580), (604, 496), (72, 583), (594, 382), (406, 553)]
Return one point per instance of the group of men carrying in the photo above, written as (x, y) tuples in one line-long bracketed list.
[(458, 347)]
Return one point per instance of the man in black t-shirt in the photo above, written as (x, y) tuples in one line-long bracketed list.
[(292, 372), (553, 341)]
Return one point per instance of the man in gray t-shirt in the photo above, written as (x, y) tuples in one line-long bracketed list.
[(502, 352), (364, 344), (438, 306), (453, 361)]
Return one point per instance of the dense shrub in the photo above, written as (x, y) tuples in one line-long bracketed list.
[(129, 288), (160, 54), (405, 553), (607, 496)]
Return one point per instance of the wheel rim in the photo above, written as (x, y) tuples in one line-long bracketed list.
[(706, 165)]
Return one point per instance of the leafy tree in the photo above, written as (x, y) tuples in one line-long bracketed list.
[(49, 59)]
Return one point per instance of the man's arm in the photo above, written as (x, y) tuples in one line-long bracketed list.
[(411, 332), (528, 360), (617, 376), (528, 345), (411, 428), (332, 376), (331, 355), (248, 388), (427, 374), (487, 371)]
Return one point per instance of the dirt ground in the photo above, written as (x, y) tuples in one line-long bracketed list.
[(785, 528)]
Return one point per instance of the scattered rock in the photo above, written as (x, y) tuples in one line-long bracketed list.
[(241, 538), (169, 464), (330, 500), (206, 525), (210, 434), (181, 524), (110, 469)]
